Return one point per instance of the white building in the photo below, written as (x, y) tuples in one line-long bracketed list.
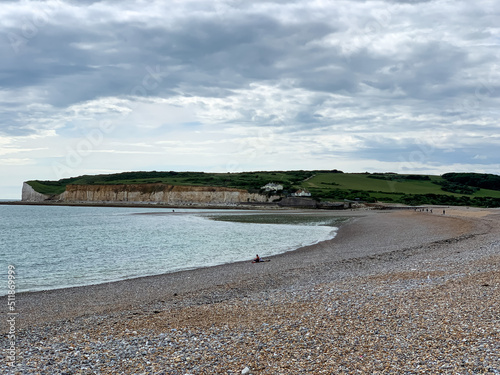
[(301, 193), (272, 187)]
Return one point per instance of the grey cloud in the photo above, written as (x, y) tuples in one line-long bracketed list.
[(202, 52), (412, 151), (410, 1), (207, 53), (12, 124)]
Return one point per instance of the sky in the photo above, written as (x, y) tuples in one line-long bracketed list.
[(91, 87)]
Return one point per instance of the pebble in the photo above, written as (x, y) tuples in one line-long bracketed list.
[(427, 312)]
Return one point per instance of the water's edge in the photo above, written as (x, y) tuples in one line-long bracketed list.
[(217, 262)]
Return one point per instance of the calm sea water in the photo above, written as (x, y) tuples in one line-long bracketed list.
[(56, 247)]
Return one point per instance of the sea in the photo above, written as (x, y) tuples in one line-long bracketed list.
[(51, 247)]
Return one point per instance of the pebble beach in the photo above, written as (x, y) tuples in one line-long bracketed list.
[(396, 292)]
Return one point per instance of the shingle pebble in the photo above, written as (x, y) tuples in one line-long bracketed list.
[(434, 311)]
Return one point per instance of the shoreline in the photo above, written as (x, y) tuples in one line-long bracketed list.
[(36, 298), (270, 206), (219, 262), (381, 261), (347, 232)]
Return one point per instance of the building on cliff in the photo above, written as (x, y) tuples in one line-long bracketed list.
[(271, 186), (301, 193)]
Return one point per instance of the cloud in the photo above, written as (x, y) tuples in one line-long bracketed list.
[(12, 161), (359, 81)]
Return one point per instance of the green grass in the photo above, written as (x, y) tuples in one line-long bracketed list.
[(487, 193), (42, 187), (322, 182)]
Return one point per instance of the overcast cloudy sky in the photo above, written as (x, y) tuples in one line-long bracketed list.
[(235, 85)]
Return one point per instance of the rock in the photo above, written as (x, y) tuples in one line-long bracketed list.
[(246, 370)]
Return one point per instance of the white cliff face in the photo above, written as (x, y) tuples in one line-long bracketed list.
[(144, 193), (30, 195)]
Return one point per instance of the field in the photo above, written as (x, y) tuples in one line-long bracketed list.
[(322, 183)]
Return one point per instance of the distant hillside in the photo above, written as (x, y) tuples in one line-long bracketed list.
[(468, 189), (396, 188), (479, 180)]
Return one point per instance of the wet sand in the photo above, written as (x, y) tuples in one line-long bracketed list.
[(363, 301)]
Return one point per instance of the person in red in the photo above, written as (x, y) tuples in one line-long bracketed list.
[(257, 259)]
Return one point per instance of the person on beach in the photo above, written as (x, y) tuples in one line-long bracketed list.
[(257, 259)]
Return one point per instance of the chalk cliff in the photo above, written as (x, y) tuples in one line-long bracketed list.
[(30, 195), (150, 193)]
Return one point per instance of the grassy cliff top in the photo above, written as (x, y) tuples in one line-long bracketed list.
[(244, 180), (471, 189)]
